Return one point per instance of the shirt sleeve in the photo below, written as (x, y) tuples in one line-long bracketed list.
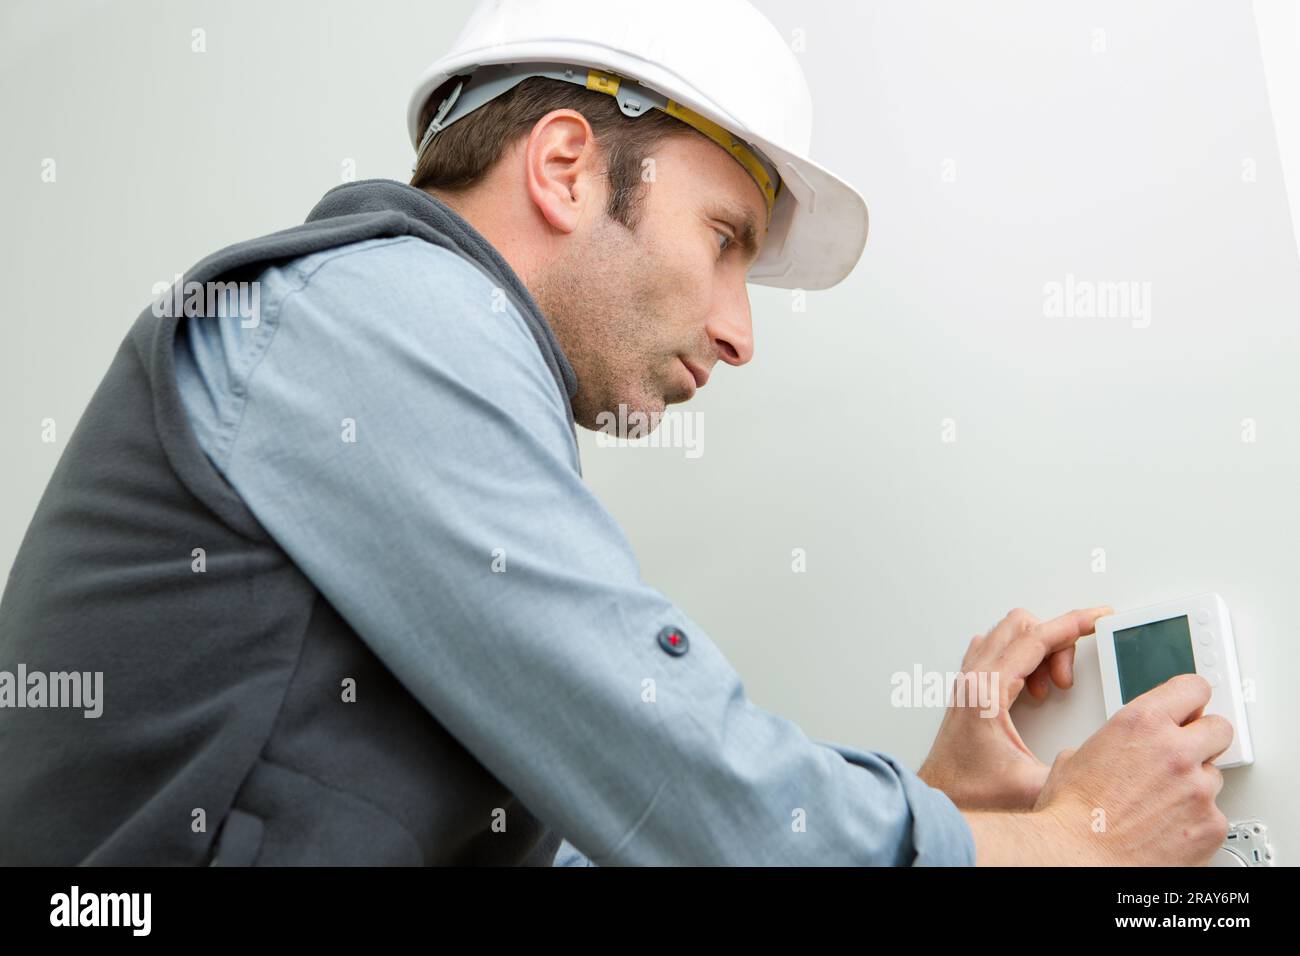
[(569, 855), (940, 834), (402, 439)]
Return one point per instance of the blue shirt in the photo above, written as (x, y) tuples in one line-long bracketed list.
[(389, 419)]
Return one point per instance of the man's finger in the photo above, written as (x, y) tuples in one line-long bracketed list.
[(1178, 698), (1024, 655), (1037, 683), (1061, 667), (1061, 632), (1211, 736)]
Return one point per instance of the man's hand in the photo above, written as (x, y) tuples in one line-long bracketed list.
[(1143, 787), (978, 758), (1140, 791)]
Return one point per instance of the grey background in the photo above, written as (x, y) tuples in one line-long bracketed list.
[(1071, 434)]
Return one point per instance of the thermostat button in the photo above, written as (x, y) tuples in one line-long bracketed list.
[(1206, 636), (1209, 658), (1203, 616), (1212, 676)]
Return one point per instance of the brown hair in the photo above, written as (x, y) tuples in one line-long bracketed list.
[(460, 155)]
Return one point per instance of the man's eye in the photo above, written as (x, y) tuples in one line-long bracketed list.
[(724, 242)]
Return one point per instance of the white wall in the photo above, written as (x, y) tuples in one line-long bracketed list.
[(998, 151)]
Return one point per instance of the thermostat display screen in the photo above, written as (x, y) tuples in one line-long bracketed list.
[(1148, 655)]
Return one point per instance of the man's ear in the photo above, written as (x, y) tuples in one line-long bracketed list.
[(560, 163)]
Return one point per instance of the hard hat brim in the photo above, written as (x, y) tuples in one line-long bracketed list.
[(816, 240)]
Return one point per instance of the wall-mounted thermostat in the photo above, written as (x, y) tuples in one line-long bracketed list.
[(1142, 649)]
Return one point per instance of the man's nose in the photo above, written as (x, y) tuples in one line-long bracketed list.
[(731, 328)]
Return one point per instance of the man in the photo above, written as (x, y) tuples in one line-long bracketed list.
[(349, 597)]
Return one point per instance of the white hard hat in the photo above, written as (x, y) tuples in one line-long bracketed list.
[(705, 61)]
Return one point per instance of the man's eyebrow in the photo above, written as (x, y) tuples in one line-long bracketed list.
[(743, 221)]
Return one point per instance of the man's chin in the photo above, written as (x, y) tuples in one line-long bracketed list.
[(632, 421)]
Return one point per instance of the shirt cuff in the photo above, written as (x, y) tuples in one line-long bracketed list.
[(940, 834), (569, 855)]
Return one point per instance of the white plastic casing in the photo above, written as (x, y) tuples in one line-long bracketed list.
[(1214, 652)]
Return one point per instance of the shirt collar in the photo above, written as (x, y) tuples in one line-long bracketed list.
[(379, 195)]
